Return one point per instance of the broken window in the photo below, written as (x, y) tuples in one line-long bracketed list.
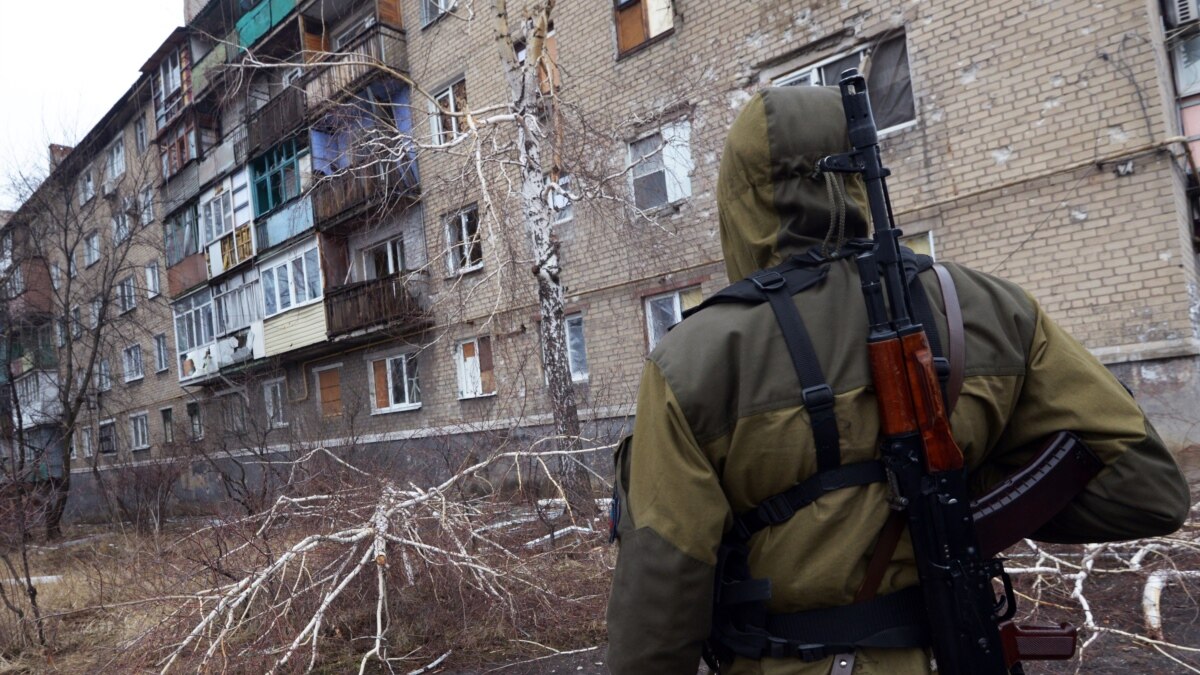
[(462, 235), (476, 374), (431, 10), (662, 166), (449, 104), (395, 384), (666, 310), (639, 21), (276, 177), (886, 65), (181, 236)]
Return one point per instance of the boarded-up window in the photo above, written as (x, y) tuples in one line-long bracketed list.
[(395, 383), (476, 370), (640, 20), (329, 384)]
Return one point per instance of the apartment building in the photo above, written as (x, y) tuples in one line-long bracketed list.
[(340, 256)]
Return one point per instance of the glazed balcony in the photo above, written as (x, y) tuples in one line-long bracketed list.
[(209, 68), (259, 21), (276, 120), (378, 49), (372, 305)]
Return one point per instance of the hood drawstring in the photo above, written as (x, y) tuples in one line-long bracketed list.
[(835, 191)]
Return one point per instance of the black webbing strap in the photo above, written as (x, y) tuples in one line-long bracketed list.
[(924, 316), (814, 391), (890, 621), (778, 508)]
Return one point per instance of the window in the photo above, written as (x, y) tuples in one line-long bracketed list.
[(432, 9), (888, 78), (639, 21), (236, 302), (161, 358), (120, 226), (662, 166), (146, 205), (666, 310), (56, 276), (139, 431), (85, 441), (60, 328), (168, 424), (293, 280), (462, 235), (448, 105), (274, 400), (195, 421), (395, 384), (131, 358), (276, 177), (167, 84), (97, 307), (560, 203), (180, 236), (194, 321), (140, 138), (576, 348), (108, 437), (91, 249), (383, 260), (27, 391), (76, 322), (476, 376), (14, 285), (233, 412), (103, 375), (217, 216), (86, 187), (115, 160), (152, 281), (6, 246), (329, 387), (1187, 66), (126, 294), (72, 268), (921, 242), (178, 147)]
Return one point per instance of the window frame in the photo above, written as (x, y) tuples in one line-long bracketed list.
[(141, 135), (272, 304), (585, 374), (111, 423), (410, 381), (673, 156), (195, 414), (91, 248), (390, 247), (278, 385), (103, 374), (114, 160), (623, 14), (144, 418), (86, 186), (678, 309), (432, 10), (87, 440), (481, 344), (793, 76), (132, 364), (442, 136), (153, 280), (127, 294), (456, 228), (335, 408), (277, 161), (194, 325), (166, 417), (162, 354)]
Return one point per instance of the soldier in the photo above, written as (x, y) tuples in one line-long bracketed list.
[(722, 423)]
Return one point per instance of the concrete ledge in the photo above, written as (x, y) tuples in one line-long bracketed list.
[(1146, 351)]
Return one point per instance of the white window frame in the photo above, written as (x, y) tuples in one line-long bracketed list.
[(216, 217), (277, 411), (236, 303), (233, 411), (76, 322), (146, 205), (114, 160), (470, 373), (139, 431), (120, 226), (127, 294), (111, 423), (191, 329), (103, 375), (91, 248), (560, 204), (195, 426), (141, 137), (446, 99), (87, 440), (132, 364), (268, 275), (153, 281), (162, 356), (579, 371), (432, 10), (56, 276), (677, 299), (810, 75), (96, 307), (394, 406), (457, 237), (168, 425), (86, 187), (672, 156), (394, 266)]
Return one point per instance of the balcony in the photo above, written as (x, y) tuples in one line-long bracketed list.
[(373, 304), (276, 120), (37, 394), (284, 223), (351, 194), (208, 69), (259, 21), (377, 50)]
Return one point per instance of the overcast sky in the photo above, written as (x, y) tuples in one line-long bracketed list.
[(63, 64)]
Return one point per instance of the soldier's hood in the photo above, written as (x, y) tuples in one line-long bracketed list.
[(772, 203)]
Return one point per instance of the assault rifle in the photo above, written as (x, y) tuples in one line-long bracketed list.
[(970, 624)]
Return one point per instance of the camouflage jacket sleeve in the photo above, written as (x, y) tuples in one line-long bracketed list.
[(672, 512), (1141, 491)]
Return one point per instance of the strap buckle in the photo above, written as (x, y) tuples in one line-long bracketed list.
[(819, 397), (941, 366), (768, 280), (776, 509)]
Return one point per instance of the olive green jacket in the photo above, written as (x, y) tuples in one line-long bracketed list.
[(720, 424)]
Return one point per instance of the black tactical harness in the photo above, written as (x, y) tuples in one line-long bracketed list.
[(741, 625)]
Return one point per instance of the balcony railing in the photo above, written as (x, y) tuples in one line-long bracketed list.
[(276, 120), (284, 223), (352, 193), (378, 48), (375, 303), (259, 21)]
